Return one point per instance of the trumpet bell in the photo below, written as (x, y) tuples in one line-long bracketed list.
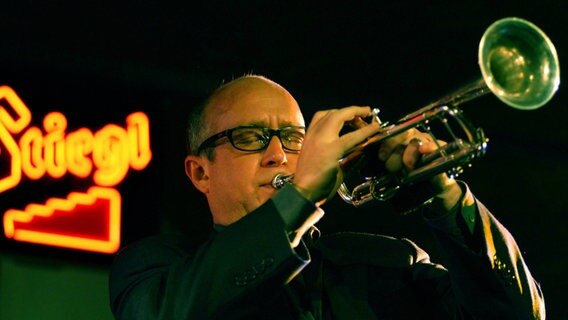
[(519, 63)]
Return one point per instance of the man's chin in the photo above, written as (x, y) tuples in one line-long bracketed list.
[(266, 192)]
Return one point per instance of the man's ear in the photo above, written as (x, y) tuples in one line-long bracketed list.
[(196, 170)]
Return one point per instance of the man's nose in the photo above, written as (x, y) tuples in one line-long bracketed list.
[(274, 154)]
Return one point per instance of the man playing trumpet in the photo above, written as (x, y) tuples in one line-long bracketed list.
[(264, 260)]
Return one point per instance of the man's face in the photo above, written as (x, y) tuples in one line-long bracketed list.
[(240, 181)]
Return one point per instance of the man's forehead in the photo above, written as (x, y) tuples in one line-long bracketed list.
[(259, 114), (254, 101)]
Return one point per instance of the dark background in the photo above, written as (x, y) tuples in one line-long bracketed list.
[(97, 64)]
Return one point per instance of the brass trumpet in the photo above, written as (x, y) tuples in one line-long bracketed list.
[(519, 65)]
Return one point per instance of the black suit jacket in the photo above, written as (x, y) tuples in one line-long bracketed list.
[(250, 271)]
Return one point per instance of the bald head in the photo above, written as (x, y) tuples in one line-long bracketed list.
[(240, 87), (232, 96)]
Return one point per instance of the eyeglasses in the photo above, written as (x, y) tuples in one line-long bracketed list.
[(254, 138)]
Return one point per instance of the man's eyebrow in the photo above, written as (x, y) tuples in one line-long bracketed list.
[(289, 124), (256, 124), (265, 125)]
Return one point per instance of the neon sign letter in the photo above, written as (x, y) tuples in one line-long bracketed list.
[(9, 124)]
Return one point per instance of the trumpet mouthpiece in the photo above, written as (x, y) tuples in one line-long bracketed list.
[(281, 180)]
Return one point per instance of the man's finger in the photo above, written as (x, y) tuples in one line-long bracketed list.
[(358, 136)]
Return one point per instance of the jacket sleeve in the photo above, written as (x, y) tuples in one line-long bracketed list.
[(163, 280), (489, 276)]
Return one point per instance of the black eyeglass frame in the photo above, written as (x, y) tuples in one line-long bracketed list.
[(267, 133)]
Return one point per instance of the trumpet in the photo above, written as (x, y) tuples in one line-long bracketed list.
[(519, 65)]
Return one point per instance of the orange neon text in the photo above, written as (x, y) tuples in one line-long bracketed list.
[(107, 154), (85, 221)]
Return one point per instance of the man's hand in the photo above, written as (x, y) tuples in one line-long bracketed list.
[(318, 175), (403, 152)]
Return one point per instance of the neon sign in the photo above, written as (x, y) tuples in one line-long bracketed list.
[(85, 221)]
